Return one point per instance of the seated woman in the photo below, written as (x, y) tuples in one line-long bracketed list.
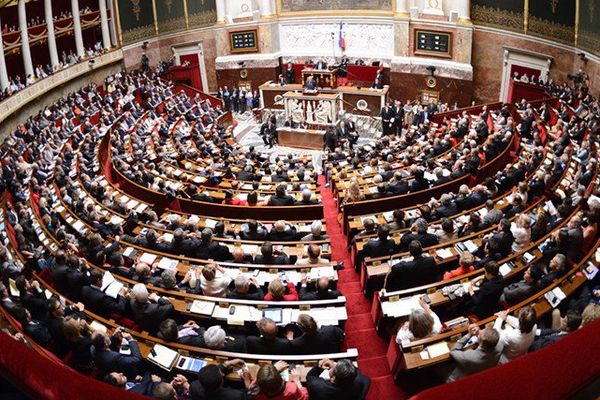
[(465, 266), (422, 323), (280, 292), (213, 281), (522, 233), (270, 385)]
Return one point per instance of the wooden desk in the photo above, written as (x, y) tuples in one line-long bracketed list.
[(325, 78), (302, 138)]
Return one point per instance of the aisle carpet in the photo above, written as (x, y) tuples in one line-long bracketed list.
[(360, 330)]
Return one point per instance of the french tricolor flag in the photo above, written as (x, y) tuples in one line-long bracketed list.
[(342, 41)]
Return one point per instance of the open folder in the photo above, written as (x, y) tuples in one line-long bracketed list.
[(110, 286), (163, 356)]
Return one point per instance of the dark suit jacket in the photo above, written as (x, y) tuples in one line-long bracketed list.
[(426, 239), (320, 389), (420, 271), (327, 340), (259, 345), (485, 302), (113, 361), (149, 315), (378, 248), (39, 332), (98, 302), (225, 393)]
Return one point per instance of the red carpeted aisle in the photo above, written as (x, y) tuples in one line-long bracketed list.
[(360, 330)]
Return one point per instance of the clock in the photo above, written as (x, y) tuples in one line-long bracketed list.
[(431, 82), (433, 3), (244, 73)]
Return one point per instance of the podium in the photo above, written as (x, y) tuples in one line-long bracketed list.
[(325, 78)]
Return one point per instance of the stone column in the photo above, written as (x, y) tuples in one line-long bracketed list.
[(267, 8), (3, 72), (402, 8), (25, 51), (51, 38), (220, 11), (112, 25), (77, 28), (104, 24), (464, 11)]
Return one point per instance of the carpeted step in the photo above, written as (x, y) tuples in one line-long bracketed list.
[(368, 343), (385, 388), (357, 322), (374, 367), (351, 287), (357, 303)]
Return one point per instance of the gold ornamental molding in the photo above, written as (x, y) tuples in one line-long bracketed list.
[(155, 17), (526, 16), (185, 14), (118, 24), (497, 18), (577, 5), (328, 13)]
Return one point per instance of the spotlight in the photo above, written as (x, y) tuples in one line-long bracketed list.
[(431, 69)]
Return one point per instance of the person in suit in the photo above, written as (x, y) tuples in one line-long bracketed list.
[(282, 232), (485, 302), (290, 123), (516, 292), (189, 333), (35, 329), (310, 84), (345, 381), (100, 303), (398, 111), (210, 382), (267, 342), (143, 385), (206, 248), (421, 270), (246, 288), (108, 360), (252, 231), (386, 115), (330, 139), (566, 325), (32, 297), (321, 290), (268, 257), (419, 233), (321, 65), (7, 303), (469, 361), (290, 76), (382, 246), (315, 340), (281, 198), (378, 82), (149, 310)]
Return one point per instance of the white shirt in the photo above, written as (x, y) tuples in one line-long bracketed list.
[(514, 341), (217, 287), (522, 238)]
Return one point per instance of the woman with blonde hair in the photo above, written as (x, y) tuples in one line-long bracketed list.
[(521, 230), (422, 323), (353, 193)]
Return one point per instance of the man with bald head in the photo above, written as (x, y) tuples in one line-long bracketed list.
[(246, 288), (268, 342), (282, 232), (321, 290)]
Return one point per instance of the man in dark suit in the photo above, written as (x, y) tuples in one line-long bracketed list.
[(387, 113), (315, 340), (289, 74), (281, 198), (7, 303), (35, 329), (210, 383), (568, 324), (282, 232), (321, 64), (267, 256), (382, 246), (330, 139), (246, 289), (419, 233), (321, 291), (267, 342), (485, 302), (421, 270), (149, 310), (397, 185), (252, 231), (100, 303), (206, 248), (108, 360), (32, 297), (398, 111), (345, 381)]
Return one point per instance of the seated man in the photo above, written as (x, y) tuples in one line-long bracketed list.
[(149, 310), (382, 246), (469, 361), (315, 340), (282, 232), (99, 302), (321, 290), (281, 198), (210, 383), (519, 291), (267, 342), (189, 333), (316, 232), (485, 302), (313, 256), (419, 232), (246, 288), (252, 231), (268, 257), (421, 270), (108, 360), (565, 325), (345, 381)]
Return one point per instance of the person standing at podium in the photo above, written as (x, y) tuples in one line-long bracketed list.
[(378, 84), (310, 83)]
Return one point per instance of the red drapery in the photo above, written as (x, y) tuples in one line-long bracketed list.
[(195, 76)]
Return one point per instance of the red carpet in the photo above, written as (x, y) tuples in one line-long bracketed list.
[(360, 331)]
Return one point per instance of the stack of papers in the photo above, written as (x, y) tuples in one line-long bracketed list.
[(163, 356), (148, 258), (438, 349), (400, 308), (167, 263), (110, 286), (202, 307)]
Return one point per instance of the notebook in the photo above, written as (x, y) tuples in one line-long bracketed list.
[(202, 307), (163, 357)]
